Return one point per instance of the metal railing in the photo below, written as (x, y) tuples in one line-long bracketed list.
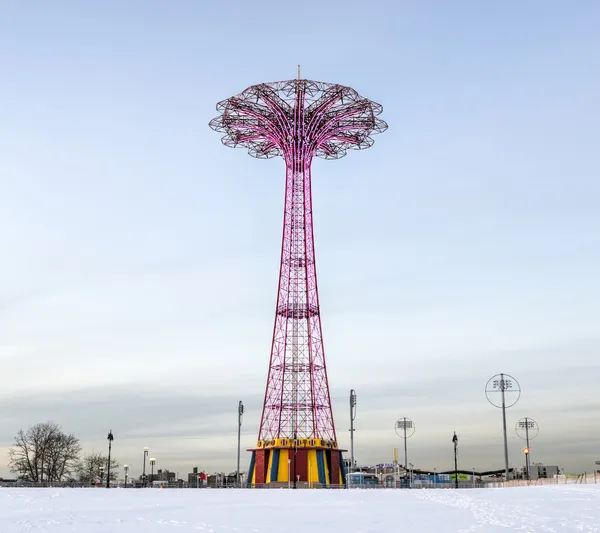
[(574, 479), (569, 479)]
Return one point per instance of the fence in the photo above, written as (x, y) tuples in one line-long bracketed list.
[(576, 479), (265, 486), (569, 479), (45, 484), (369, 486)]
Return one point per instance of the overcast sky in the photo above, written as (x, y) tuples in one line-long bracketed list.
[(139, 257)]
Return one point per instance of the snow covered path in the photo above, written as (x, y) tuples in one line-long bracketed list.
[(529, 509)]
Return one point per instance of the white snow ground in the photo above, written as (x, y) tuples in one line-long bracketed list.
[(527, 509)]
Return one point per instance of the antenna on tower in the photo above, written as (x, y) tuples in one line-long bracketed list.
[(298, 72)]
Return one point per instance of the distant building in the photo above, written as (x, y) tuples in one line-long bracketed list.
[(539, 471), (196, 478), (193, 476), (166, 475)]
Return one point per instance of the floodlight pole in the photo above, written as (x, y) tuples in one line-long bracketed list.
[(502, 387), (405, 445), (527, 424), (405, 435), (527, 447)]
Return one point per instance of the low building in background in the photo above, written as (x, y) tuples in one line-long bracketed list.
[(196, 478), (540, 471), (167, 475)]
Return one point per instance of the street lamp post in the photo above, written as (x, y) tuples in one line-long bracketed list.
[(240, 416), (152, 463), (352, 417), (510, 392), (110, 439), (146, 450), (289, 473), (455, 442), (295, 453), (126, 468)]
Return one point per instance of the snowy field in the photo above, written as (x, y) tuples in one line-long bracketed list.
[(527, 509)]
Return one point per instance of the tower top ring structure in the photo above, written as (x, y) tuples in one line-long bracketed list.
[(270, 118)]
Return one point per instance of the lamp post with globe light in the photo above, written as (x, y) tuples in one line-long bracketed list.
[(110, 439), (455, 442), (240, 417)]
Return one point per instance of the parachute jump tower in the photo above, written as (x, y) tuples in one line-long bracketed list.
[(297, 120)]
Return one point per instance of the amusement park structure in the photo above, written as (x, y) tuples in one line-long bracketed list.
[(297, 120)]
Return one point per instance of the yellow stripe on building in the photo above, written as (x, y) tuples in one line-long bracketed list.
[(282, 473), (313, 467)]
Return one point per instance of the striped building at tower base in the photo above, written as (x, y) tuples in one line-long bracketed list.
[(310, 462)]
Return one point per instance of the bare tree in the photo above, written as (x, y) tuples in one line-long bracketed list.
[(62, 458), (44, 453), (93, 468)]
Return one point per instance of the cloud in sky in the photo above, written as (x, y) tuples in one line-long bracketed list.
[(140, 257)]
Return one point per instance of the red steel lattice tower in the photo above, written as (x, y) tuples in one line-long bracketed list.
[(297, 119)]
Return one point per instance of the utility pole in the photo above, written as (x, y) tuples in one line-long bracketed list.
[(352, 417), (240, 415)]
